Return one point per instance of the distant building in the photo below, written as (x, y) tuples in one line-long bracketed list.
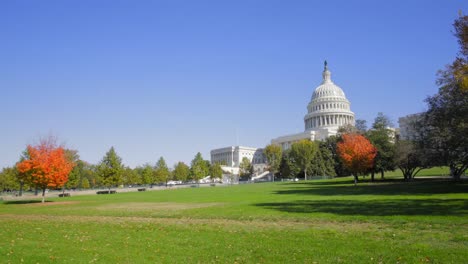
[(327, 111), (231, 157), (408, 126)]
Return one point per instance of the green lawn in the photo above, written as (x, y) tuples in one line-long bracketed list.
[(326, 221), (435, 171)]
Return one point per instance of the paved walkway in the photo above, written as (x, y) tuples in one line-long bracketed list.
[(50, 194)]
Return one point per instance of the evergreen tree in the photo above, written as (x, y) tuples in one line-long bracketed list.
[(199, 168), (110, 169), (162, 171), (323, 163), (383, 139)]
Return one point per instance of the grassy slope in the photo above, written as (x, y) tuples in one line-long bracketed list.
[(318, 221)]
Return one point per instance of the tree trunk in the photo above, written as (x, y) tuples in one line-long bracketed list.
[(382, 174), (456, 173), (21, 188), (36, 190), (372, 176), (43, 195), (355, 179), (305, 175)]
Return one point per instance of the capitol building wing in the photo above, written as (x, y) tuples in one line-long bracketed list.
[(327, 111)]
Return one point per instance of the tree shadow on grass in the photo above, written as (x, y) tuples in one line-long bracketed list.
[(386, 188), (449, 207), (24, 202)]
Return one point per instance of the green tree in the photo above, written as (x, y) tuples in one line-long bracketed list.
[(146, 174), (216, 171), (131, 176), (457, 72), (445, 129), (91, 174), (25, 179), (288, 168), (181, 172), (74, 178), (9, 179), (162, 171), (198, 168), (382, 137), (330, 143), (323, 163), (409, 158), (110, 169), (273, 154), (85, 184), (361, 126), (245, 168), (302, 153)]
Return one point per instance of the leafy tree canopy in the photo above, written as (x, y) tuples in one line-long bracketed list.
[(181, 172), (357, 153), (302, 152), (273, 154)]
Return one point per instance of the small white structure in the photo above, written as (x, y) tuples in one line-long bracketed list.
[(327, 110)]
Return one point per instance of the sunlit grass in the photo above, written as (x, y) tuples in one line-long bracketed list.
[(328, 221)]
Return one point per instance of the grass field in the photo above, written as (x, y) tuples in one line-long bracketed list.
[(327, 221), (434, 171)]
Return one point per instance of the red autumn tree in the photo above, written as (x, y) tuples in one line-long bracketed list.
[(357, 153), (47, 164)]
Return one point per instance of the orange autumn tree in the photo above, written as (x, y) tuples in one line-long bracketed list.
[(47, 164), (357, 154)]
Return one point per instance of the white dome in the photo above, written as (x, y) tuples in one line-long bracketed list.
[(328, 107), (327, 88)]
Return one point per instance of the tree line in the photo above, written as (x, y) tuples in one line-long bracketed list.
[(48, 165)]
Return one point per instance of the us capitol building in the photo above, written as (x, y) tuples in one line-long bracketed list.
[(327, 111)]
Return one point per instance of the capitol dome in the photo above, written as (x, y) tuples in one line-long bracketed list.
[(328, 108)]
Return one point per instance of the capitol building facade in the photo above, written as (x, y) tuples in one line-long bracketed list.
[(327, 111)]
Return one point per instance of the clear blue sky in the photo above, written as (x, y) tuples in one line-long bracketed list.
[(171, 78)]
